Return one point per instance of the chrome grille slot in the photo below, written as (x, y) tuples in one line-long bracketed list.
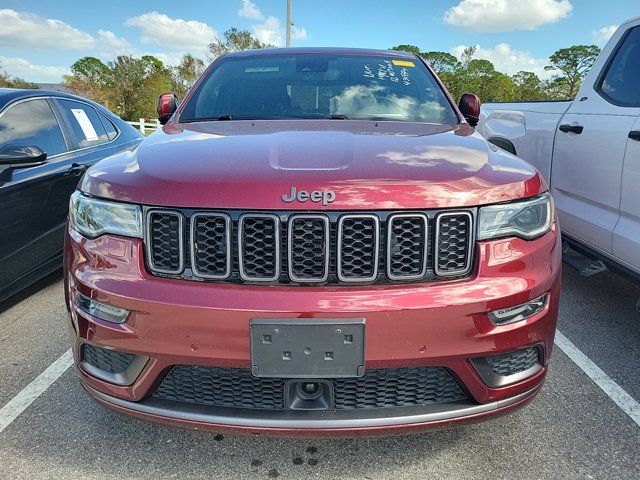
[(259, 247), (165, 241), (211, 245), (308, 248), (454, 244), (358, 248), (407, 236)]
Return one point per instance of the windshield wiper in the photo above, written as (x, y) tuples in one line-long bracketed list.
[(225, 117), (338, 116)]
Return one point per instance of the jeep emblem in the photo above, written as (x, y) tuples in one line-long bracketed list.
[(324, 196)]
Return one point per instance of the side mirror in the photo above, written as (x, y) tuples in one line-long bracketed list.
[(167, 105), (20, 156), (470, 107)]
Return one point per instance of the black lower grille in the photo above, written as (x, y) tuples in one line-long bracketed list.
[(221, 387), (231, 387), (513, 362), (107, 360)]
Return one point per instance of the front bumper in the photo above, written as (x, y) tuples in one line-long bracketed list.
[(177, 322)]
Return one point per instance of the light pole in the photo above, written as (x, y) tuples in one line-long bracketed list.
[(288, 23)]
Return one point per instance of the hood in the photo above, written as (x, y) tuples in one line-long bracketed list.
[(367, 165)]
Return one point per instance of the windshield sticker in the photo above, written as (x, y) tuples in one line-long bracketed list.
[(261, 69), (404, 73), (403, 63), (85, 124), (385, 71), (367, 71)]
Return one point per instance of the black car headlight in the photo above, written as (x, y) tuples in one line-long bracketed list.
[(93, 217), (526, 219)]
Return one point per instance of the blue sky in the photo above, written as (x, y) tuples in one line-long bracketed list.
[(39, 40)]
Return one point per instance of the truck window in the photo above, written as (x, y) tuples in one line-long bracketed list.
[(621, 83), (308, 86)]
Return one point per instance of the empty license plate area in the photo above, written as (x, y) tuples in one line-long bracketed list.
[(294, 348)]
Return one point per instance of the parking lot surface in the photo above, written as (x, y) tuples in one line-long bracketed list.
[(573, 429)]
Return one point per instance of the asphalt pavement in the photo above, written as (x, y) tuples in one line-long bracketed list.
[(573, 429)]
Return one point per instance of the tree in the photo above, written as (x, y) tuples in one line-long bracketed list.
[(556, 88), (528, 86), (441, 61), (186, 73), (7, 81), (235, 40), (467, 55), (88, 79), (134, 84), (574, 63), (406, 48), (481, 77)]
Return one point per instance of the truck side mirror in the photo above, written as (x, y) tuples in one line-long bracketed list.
[(470, 107), (167, 105), (20, 156)]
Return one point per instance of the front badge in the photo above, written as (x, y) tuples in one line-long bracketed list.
[(316, 196)]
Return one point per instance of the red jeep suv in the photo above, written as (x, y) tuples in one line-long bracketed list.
[(317, 242)]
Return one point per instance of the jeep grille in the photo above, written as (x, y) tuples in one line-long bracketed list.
[(288, 247)]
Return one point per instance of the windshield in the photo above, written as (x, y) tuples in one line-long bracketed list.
[(319, 86)]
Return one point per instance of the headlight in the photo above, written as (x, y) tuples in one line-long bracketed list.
[(526, 219), (92, 217)]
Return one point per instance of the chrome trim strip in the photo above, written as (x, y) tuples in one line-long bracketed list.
[(376, 252), (425, 241), (288, 419), (149, 244), (327, 248), (241, 220), (470, 240), (192, 243)]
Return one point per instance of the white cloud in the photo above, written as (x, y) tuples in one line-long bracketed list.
[(107, 38), (299, 33), (603, 35), (271, 31), (250, 10), (173, 33), (508, 60), (506, 15), (27, 30), (20, 67)]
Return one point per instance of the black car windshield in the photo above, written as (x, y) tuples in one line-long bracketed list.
[(334, 86)]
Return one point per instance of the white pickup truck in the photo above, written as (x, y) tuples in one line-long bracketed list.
[(588, 150)]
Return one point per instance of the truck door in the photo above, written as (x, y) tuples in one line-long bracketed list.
[(589, 149), (626, 236)]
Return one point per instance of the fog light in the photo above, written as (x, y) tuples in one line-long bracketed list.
[(519, 312), (99, 310)]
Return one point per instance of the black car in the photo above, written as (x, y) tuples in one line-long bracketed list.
[(47, 140)]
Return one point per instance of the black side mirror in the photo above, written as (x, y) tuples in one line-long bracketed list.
[(20, 156)]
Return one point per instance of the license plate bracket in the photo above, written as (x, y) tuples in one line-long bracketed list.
[(307, 348)]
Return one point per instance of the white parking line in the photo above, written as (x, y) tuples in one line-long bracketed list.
[(37, 387), (615, 392)]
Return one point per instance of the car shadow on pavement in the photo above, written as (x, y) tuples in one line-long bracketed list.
[(31, 290)]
